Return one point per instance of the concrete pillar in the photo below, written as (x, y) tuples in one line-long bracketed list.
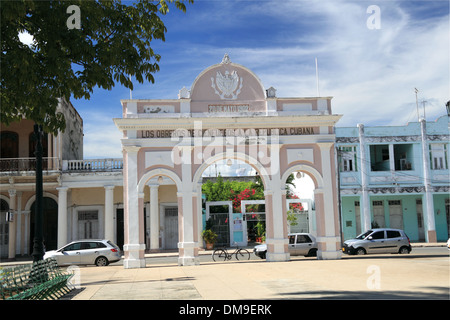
[(329, 239), (276, 220), (199, 215), (109, 213), (12, 225), (62, 216), (19, 223), (187, 205), (154, 219), (134, 247), (428, 208), (366, 222)]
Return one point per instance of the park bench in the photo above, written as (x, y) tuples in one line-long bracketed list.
[(41, 280)]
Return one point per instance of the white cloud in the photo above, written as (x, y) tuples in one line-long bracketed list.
[(371, 74), (101, 136)]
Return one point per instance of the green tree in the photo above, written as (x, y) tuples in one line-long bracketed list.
[(113, 43)]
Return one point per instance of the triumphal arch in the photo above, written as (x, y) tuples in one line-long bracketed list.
[(226, 114)]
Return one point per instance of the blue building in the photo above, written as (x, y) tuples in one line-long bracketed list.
[(395, 176)]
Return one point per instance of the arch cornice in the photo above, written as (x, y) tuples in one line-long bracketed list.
[(317, 177), (158, 172), (235, 155)]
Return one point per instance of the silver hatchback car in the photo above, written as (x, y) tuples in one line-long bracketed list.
[(380, 240), (97, 252)]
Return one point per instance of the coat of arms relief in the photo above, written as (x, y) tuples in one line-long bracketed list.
[(229, 84)]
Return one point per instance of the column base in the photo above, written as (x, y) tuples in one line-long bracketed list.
[(134, 256), (431, 236), (277, 250), (188, 261), (188, 254), (133, 263), (329, 248), (329, 255), (278, 257)]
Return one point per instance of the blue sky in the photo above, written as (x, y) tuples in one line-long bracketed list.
[(370, 73)]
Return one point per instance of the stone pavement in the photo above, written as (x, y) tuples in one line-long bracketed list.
[(352, 277)]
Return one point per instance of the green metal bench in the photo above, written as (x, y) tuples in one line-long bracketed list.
[(41, 280)]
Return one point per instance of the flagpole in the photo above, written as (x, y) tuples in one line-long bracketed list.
[(317, 79)]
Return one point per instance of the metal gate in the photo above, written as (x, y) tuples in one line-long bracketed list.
[(221, 226)]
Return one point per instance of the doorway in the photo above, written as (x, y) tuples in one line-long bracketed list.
[(395, 214), (171, 228), (50, 224)]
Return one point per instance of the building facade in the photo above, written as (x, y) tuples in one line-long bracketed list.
[(395, 176), (227, 114), (151, 199)]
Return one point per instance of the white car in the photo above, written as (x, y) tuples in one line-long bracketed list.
[(97, 252), (448, 244), (300, 244)]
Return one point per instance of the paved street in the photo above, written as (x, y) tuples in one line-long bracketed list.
[(423, 274)]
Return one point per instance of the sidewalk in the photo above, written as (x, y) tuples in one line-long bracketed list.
[(352, 277)]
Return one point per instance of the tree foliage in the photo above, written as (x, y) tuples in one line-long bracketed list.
[(236, 191), (112, 44)]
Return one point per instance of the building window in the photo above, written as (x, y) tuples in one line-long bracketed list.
[(438, 156), (347, 156), (379, 157), (9, 145), (403, 155)]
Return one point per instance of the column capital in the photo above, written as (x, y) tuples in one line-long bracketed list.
[(325, 144), (109, 187), (62, 189), (131, 149), (12, 192)]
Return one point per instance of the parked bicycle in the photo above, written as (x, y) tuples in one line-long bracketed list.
[(222, 254)]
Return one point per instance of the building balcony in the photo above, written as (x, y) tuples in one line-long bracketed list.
[(15, 166), (26, 166), (92, 165)]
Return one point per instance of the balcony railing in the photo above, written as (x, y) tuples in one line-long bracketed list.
[(93, 165), (28, 164)]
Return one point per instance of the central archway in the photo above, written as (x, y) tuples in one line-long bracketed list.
[(227, 114)]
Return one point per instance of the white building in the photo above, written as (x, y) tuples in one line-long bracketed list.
[(151, 199)]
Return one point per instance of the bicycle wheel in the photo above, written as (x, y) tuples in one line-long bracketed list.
[(219, 255), (242, 254)]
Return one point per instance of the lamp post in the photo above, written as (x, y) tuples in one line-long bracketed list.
[(38, 244)]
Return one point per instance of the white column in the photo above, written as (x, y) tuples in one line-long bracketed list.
[(199, 215), (109, 213), (276, 221), (154, 221), (26, 231), (331, 239), (134, 249), (365, 214), (19, 220), (429, 204), (62, 216), (188, 245), (12, 225)]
